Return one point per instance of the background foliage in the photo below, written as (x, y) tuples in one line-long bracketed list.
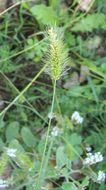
[(23, 122)]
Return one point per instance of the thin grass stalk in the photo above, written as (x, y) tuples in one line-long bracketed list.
[(23, 91), (42, 166)]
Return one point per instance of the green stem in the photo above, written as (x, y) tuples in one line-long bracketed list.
[(40, 176), (13, 6), (23, 91), (15, 91)]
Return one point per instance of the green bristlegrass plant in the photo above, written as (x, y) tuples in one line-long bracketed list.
[(57, 62)]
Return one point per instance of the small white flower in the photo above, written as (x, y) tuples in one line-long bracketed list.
[(93, 158), (98, 157), (11, 152), (77, 118), (3, 183), (51, 115), (88, 149), (55, 131), (101, 177)]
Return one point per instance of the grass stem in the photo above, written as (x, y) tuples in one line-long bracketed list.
[(42, 168)]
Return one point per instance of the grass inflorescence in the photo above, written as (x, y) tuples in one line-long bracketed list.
[(57, 55)]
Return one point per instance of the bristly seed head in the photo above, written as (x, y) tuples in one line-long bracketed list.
[(57, 55)]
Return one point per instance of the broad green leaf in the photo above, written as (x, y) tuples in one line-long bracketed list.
[(12, 131), (78, 150), (45, 15), (61, 157), (91, 22), (73, 152), (16, 145), (85, 182), (69, 186), (73, 147), (28, 137), (75, 139)]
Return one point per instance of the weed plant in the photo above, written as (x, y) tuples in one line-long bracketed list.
[(52, 95)]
